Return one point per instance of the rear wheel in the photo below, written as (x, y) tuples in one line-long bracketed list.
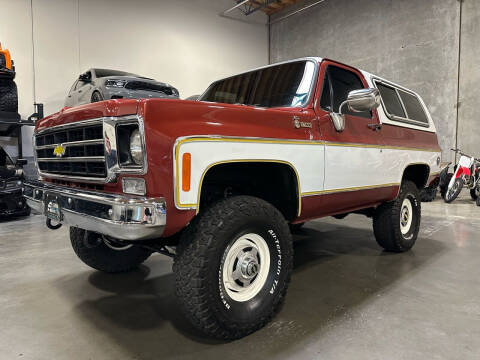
[(429, 194), (396, 223), (233, 266), (104, 253), (453, 192), (475, 193), (8, 96), (296, 227)]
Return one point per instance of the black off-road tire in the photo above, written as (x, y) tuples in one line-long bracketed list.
[(386, 220), (444, 185), (199, 263), (294, 228), (478, 201), (429, 194), (96, 97), (474, 194), (458, 185), (92, 250), (8, 96)]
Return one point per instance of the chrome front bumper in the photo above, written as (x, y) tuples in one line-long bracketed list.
[(122, 217)]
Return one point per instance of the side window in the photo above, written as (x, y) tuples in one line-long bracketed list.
[(404, 106), (413, 107), (390, 100), (341, 82)]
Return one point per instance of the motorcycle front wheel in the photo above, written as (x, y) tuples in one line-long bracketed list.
[(454, 191)]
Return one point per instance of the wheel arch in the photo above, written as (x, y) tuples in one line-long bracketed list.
[(235, 165), (418, 173)]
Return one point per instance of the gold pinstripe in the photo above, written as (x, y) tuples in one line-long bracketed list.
[(279, 141), (331, 191)]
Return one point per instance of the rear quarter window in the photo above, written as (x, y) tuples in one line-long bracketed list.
[(402, 106), (413, 106)]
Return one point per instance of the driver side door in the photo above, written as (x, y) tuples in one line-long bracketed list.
[(354, 160)]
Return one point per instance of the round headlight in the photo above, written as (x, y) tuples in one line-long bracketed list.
[(136, 150)]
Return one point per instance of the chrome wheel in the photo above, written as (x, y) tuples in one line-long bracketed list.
[(245, 268), (406, 214)]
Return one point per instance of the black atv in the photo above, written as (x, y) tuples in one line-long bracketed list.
[(12, 202)]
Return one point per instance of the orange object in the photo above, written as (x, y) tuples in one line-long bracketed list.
[(186, 171), (8, 58)]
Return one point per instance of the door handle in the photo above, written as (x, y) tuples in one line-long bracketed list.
[(79, 91), (375, 127)]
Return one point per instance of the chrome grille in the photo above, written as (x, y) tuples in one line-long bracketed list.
[(84, 148)]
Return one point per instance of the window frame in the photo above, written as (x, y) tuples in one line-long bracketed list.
[(313, 85), (326, 77), (399, 118)]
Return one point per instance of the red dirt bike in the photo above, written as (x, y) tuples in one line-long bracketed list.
[(466, 173)]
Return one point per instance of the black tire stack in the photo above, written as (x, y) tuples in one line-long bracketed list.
[(8, 96)]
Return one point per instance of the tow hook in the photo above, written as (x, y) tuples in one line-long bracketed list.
[(53, 227)]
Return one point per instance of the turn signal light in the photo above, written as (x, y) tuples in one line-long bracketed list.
[(186, 171)]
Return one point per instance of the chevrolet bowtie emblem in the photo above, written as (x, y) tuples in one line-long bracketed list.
[(59, 151)]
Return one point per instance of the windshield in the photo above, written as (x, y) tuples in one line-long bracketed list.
[(4, 158), (281, 85), (106, 72)]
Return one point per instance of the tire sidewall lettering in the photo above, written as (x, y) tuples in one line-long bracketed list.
[(274, 279)]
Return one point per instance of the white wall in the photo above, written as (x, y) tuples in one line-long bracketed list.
[(16, 35), (182, 42)]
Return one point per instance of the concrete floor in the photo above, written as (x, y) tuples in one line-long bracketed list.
[(347, 299)]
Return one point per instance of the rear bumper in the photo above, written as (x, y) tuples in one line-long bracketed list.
[(122, 217)]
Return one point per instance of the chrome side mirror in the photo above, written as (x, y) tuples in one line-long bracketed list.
[(357, 101), (363, 100)]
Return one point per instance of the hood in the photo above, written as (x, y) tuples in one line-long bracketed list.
[(108, 108)]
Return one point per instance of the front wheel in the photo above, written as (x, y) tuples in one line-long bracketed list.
[(453, 192), (396, 223), (96, 97), (233, 266), (105, 254)]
